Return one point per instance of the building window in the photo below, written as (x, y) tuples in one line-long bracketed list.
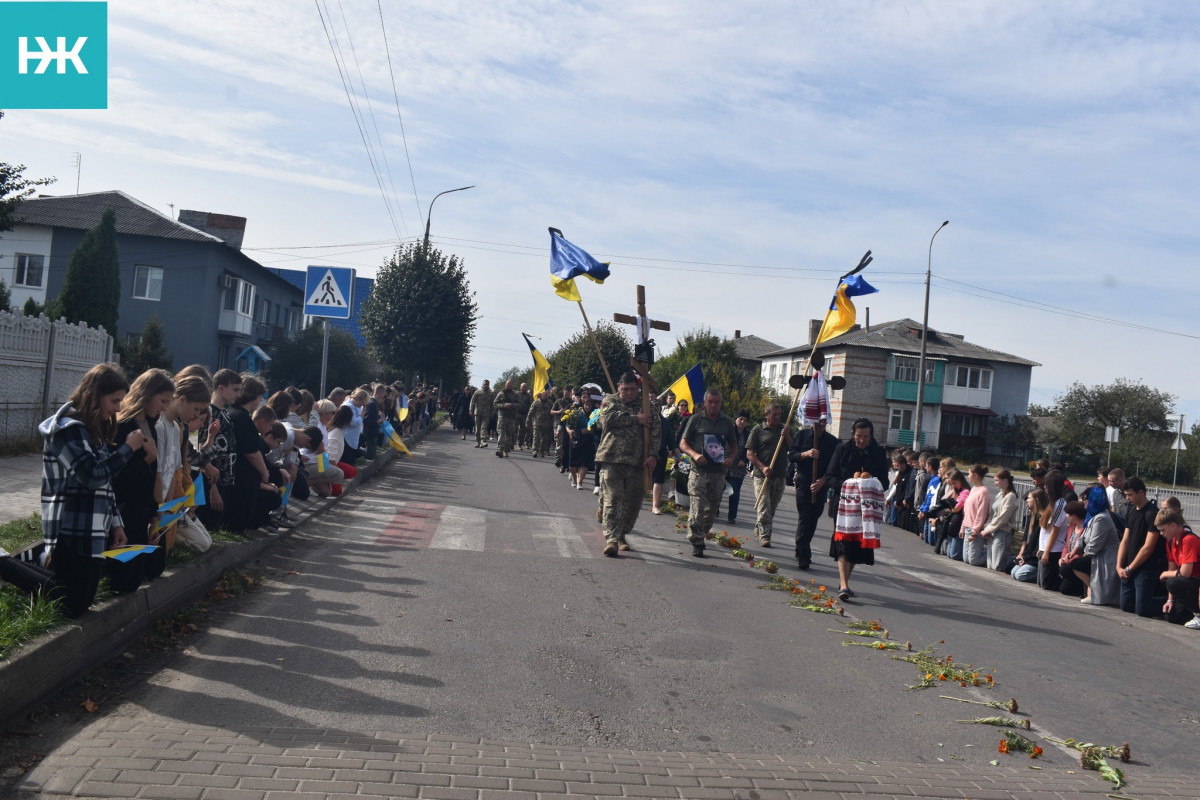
[(30, 270), (783, 373), (905, 369), (147, 283), (247, 306), (902, 419), (969, 377), (771, 373), (963, 425), (229, 301)]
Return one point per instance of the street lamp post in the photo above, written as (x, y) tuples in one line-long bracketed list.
[(429, 215), (924, 338)]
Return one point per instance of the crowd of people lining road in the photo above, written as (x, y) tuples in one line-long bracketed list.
[(117, 455), (1105, 543)]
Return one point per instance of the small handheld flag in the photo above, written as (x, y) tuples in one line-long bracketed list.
[(393, 438), (402, 414), (567, 262), (541, 369), (689, 387), (128, 553), (323, 463), (285, 494)]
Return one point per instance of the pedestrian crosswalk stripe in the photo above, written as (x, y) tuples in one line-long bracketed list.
[(460, 528)]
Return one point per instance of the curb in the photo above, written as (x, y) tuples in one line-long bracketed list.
[(54, 661)]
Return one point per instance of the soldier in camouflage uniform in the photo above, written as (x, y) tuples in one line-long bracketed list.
[(523, 431), (507, 403), (481, 410), (619, 459), (539, 421)]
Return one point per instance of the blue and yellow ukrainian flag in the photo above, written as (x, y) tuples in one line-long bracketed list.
[(840, 317), (568, 262), (541, 369), (393, 438), (402, 414), (689, 387)]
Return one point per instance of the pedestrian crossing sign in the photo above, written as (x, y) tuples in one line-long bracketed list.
[(329, 292)]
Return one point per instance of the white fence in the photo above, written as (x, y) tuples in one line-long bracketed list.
[(1189, 499), (41, 362)]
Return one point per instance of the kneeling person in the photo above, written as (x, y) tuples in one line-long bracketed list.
[(619, 459)]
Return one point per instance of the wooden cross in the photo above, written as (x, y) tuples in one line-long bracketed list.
[(642, 360)]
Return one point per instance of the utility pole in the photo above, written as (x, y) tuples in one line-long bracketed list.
[(924, 337)]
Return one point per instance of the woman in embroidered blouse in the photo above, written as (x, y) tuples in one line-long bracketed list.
[(975, 514), (998, 533)]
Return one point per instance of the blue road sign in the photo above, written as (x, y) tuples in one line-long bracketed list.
[(329, 292)]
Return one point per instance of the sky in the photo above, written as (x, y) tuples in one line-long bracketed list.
[(734, 159)]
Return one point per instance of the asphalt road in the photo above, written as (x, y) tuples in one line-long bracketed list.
[(465, 595)]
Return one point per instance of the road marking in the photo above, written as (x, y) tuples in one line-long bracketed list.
[(559, 533), (460, 528)]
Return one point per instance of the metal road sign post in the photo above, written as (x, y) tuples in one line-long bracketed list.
[(1111, 434), (329, 294), (1178, 445)]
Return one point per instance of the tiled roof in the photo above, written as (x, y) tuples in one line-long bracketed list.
[(902, 336), (752, 348), (83, 211)]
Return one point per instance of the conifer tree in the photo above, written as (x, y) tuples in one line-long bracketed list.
[(91, 292)]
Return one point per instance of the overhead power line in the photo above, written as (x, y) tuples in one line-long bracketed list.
[(335, 49), (396, 94)]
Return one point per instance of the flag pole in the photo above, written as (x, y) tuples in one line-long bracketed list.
[(798, 383), (794, 380), (612, 387)]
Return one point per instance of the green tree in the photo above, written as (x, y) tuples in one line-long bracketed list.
[(1013, 435), (723, 370), (150, 352), (91, 291), (421, 314), (32, 308), (5, 297), (517, 375), (1083, 412), (15, 187), (576, 362), (297, 361)]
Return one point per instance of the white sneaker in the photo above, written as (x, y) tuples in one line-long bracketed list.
[(596, 490), (1193, 623)]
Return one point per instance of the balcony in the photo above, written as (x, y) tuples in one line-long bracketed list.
[(964, 396), (234, 322), (270, 334), (904, 438)]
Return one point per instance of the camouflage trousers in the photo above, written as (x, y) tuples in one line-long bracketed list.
[(522, 432), (620, 499), (543, 437), (765, 510), (506, 427), (704, 495), (481, 424)]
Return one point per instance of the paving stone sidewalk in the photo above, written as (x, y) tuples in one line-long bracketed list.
[(20, 486), (155, 757)]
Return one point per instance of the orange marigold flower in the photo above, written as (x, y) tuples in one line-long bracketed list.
[(1003, 745), (1037, 751), (928, 676), (820, 588), (941, 677)]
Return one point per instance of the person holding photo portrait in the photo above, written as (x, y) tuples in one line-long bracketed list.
[(710, 439)]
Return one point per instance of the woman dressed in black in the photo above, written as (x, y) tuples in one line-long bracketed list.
[(861, 454)]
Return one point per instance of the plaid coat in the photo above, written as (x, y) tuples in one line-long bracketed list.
[(78, 504)]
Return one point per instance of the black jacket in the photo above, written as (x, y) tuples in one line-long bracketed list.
[(848, 459), (802, 467)]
